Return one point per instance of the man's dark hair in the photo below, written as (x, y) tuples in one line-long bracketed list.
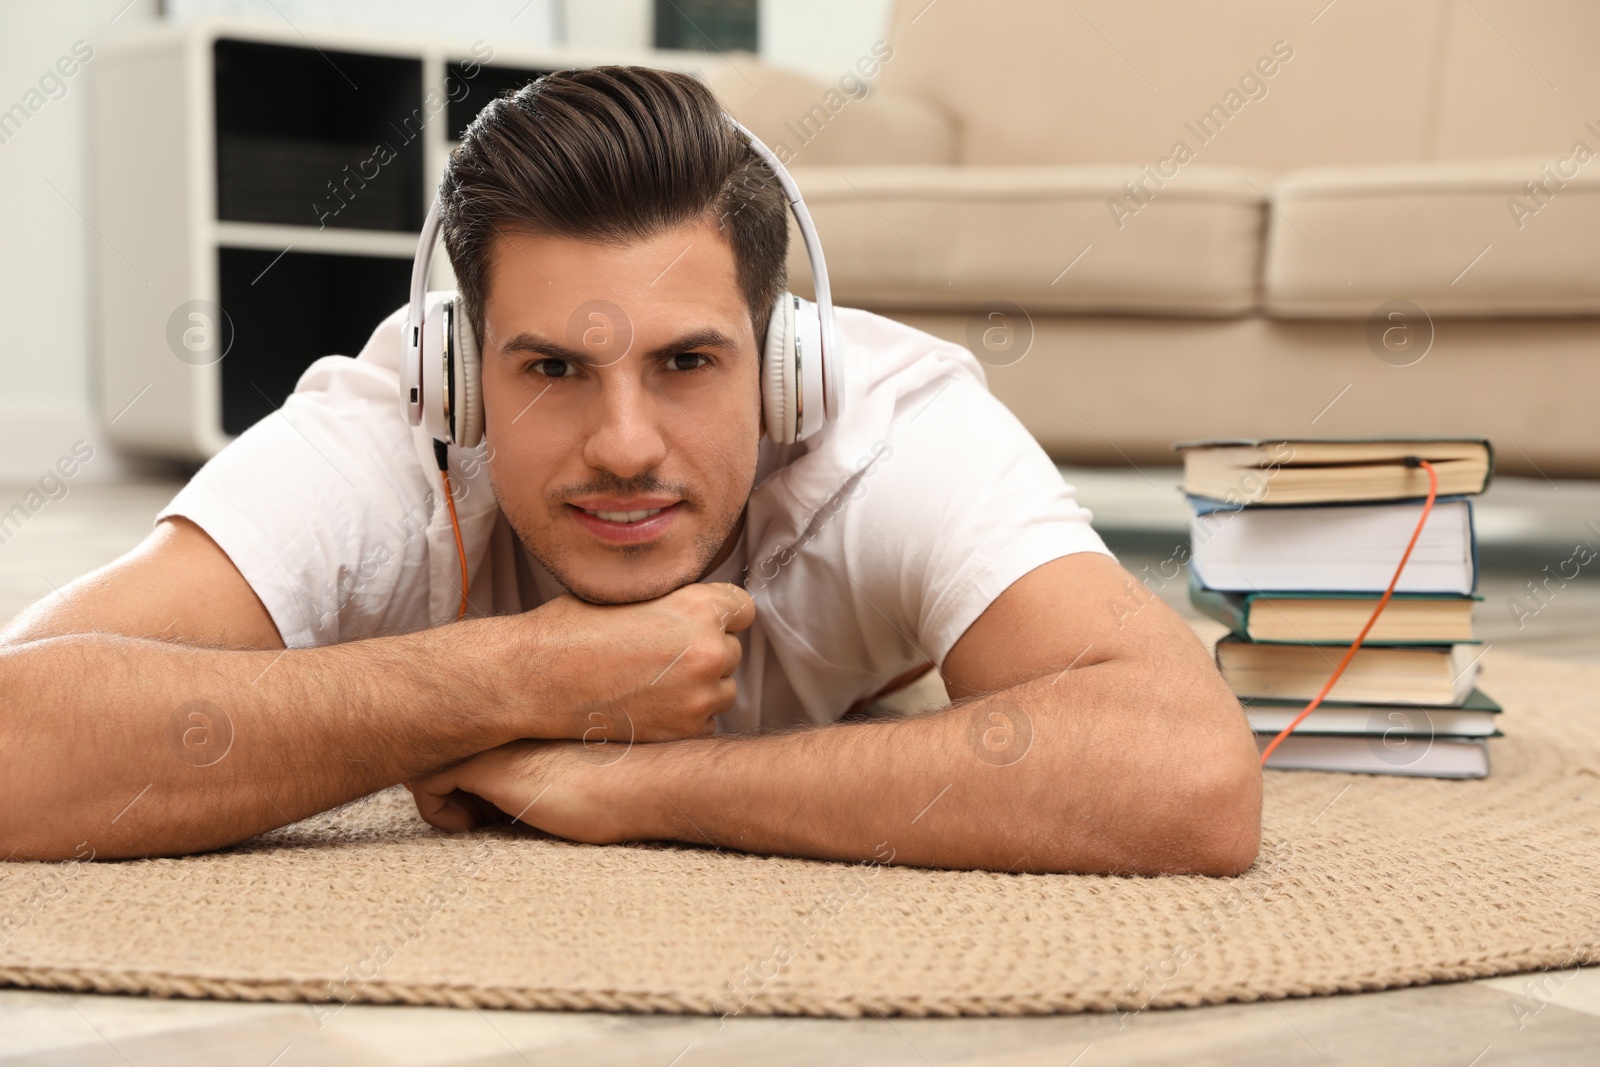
[(611, 154)]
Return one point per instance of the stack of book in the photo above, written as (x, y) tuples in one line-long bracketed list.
[(1292, 545)]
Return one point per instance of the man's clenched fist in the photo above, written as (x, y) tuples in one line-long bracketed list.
[(658, 670)]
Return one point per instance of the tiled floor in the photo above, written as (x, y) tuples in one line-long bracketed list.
[(1548, 1018)]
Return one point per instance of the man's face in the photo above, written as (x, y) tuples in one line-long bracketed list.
[(622, 406)]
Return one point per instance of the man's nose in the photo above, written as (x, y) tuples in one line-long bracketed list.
[(626, 438)]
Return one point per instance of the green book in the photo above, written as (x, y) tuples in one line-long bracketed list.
[(1317, 618)]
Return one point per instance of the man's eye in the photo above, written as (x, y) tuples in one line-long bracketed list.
[(688, 361), (549, 368)]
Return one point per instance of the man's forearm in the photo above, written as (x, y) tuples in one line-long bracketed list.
[(1051, 775), (145, 747)]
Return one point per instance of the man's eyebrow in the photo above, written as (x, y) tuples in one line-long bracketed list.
[(526, 343)]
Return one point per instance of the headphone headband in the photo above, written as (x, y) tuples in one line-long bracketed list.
[(831, 372), (819, 266)]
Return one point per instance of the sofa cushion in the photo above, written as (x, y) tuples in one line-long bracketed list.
[(1507, 237), (1052, 239)]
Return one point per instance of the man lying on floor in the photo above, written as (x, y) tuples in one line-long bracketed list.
[(673, 609)]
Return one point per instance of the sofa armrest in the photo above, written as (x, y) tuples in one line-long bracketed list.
[(807, 121)]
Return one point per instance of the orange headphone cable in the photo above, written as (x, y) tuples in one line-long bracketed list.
[(1427, 507), (461, 553)]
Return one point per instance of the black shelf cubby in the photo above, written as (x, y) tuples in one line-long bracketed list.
[(307, 137), (289, 313)]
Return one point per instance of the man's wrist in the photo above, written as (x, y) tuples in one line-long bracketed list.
[(506, 676), (467, 666), (639, 788)]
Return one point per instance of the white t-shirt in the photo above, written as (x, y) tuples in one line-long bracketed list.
[(869, 548)]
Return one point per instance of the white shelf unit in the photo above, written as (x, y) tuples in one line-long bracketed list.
[(250, 227)]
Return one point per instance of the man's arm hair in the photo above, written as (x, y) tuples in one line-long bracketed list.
[(139, 747), (151, 709)]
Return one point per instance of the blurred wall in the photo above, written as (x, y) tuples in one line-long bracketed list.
[(46, 248), (47, 242)]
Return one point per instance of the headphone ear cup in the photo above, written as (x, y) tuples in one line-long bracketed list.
[(466, 416), (433, 358), (778, 372), (808, 393)]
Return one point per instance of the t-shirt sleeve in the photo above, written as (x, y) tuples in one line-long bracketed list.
[(961, 502), (324, 507)]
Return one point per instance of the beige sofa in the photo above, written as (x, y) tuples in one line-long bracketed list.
[(1170, 219)]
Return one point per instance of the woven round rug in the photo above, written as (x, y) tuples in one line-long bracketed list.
[(1363, 882)]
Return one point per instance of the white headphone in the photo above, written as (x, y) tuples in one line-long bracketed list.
[(801, 375)]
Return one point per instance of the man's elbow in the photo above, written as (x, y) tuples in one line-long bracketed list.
[(1189, 803), (1207, 822), (1200, 812), (1221, 813)]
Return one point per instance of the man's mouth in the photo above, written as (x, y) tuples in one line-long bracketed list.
[(622, 516), (626, 522)]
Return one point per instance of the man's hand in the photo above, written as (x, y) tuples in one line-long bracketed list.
[(659, 670), (555, 786)]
